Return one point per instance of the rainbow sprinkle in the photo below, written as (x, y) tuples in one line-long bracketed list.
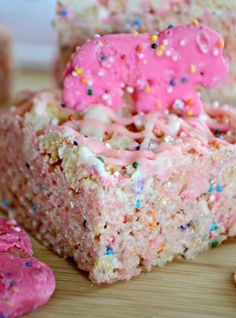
[(184, 226), (154, 37), (214, 243), (63, 13), (90, 92), (5, 202), (101, 159), (192, 69), (138, 204), (34, 207), (184, 79), (135, 164), (210, 189), (213, 228), (219, 188), (75, 143), (137, 23), (109, 251), (28, 264)]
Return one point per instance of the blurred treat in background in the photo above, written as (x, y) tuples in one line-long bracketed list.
[(34, 45), (5, 66), (78, 21)]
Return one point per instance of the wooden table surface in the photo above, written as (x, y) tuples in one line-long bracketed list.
[(200, 288)]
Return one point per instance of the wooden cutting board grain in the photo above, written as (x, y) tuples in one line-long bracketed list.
[(200, 288)]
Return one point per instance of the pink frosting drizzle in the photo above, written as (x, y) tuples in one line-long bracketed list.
[(159, 71), (195, 135)]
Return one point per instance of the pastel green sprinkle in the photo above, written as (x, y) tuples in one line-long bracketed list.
[(135, 164), (101, 159), (214, 244)]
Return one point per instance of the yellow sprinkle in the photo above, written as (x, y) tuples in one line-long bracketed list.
[(159, 52), (195, 21), (154, 37), (190, 112), (192, 69), (153, 224), (79, 71), (220, 43), (158, 105), (135, 33), (163, 47), (148, 89)]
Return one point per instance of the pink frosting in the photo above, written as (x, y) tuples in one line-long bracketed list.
[(24, 284), (13, 239), (159, 71)]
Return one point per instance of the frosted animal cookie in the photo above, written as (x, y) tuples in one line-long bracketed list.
[(25, 284), (160, 71), (13, 239), (77, 21)]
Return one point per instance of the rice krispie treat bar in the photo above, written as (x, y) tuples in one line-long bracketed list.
[(119, 193), (5, 66), (78, 21), (122, 186)]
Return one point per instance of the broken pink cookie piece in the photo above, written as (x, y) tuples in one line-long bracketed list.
[(25, 284), (160, 71), (13, 239)]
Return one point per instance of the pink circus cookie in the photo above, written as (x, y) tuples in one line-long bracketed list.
[(160, 71), (13, 239), (25, 284)]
